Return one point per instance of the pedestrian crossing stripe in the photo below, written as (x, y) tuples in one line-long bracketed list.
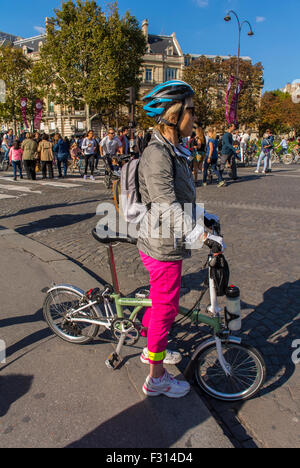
[(42, 182), (2, 197), (19, 188)]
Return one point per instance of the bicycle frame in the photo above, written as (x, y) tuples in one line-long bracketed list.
[(214, 321)]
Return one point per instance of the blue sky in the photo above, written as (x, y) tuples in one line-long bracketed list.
[(199, 26)]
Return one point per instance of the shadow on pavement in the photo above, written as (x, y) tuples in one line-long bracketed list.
[(36, 209), (142, 426), (53, 222), (273, 327), (13, 387)]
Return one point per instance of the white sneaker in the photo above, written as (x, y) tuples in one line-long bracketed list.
[(84, 177), (263, 172), (167, 385), (172, 357), (92, 177), (256, 172)]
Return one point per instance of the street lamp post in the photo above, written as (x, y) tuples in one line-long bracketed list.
[(250, 33)]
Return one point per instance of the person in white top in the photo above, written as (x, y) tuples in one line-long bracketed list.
[(284, 147), (244, 144), (109, 147), (110, 144)]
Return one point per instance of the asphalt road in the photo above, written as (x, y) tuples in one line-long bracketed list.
[(260, 218)]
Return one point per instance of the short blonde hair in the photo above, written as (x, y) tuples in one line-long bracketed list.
[(173, 110)]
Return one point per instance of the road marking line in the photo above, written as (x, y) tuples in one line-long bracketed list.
[(18, 188), (42, 182), (60, 184), (2, 197)]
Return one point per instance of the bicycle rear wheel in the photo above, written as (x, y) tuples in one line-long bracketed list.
[(62, 301), (248, 372)]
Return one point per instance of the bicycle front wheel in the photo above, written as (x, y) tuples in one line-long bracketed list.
[(62, 301), (287, 158), (247, 375)]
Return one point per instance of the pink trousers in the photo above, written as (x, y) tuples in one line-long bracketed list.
[(165, 282)]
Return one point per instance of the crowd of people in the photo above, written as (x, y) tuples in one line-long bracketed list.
[(41, 151), (209, 151)]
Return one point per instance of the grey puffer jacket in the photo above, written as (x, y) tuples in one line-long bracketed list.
[(169, 184)]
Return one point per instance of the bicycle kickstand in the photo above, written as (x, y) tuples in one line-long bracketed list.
[(114, 359)]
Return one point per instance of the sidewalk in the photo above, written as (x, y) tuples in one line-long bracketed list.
[(55, 394)]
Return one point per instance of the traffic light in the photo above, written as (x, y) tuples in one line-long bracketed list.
[(130, 95)]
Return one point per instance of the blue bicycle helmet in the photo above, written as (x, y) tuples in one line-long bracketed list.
[(163, 96)]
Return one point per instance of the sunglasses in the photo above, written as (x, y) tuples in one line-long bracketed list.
[(111, 133)]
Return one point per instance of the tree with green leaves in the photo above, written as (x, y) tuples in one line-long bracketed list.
[(279, 113), (210, 78), (15, 70), (92, 57)]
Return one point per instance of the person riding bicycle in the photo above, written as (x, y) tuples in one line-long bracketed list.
[(166, 183), (75, 153), (109, 147), (284, 147)]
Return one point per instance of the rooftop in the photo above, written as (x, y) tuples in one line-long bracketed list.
[(223, 57), (160, 44), (32, 43)]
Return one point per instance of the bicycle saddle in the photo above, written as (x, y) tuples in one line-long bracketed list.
[(114, 238)]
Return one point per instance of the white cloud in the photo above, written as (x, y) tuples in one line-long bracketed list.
[(201, 3), (260, 19), (40, 29)]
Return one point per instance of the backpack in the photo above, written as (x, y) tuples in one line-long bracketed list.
[(132, 208)]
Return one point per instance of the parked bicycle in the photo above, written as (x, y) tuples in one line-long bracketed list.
[(223, 366)]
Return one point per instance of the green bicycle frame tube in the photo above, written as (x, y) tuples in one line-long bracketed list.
[(139, 304), (213, 322)]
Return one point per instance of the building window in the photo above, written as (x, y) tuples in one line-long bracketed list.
[(171, 74), (79, 106), (51, 107), (149, 74)]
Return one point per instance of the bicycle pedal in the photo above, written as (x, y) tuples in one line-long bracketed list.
[(113, 361)]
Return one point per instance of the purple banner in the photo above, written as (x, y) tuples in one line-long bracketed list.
[(234, 103), (38, 114), (231, 80), (24, 111)]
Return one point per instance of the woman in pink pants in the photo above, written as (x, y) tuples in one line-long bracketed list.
[(165, 179)]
